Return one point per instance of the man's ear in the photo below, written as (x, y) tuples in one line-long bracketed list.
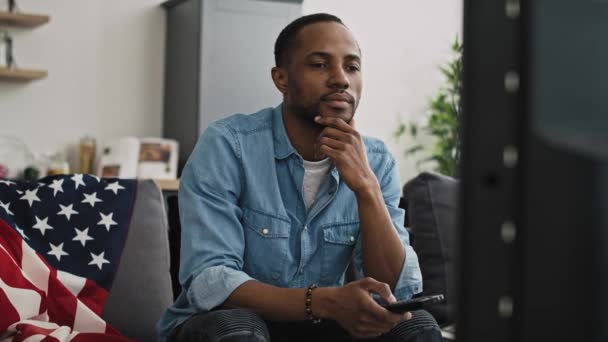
[(279, 77)]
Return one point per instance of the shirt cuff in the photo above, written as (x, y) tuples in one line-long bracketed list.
[(410, 280), (213, 286)]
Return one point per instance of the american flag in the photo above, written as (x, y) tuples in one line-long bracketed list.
[(61, 239)]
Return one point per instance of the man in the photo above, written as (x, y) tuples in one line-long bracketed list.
[(275, 205)]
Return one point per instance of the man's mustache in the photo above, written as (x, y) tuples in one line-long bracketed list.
[(338, 96)]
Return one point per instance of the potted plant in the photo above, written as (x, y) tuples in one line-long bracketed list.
[(441, 122)]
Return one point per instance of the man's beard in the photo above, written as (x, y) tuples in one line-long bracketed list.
[(307, 113)]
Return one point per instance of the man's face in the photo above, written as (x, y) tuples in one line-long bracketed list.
[(323, 72)]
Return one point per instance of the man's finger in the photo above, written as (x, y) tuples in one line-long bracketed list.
[(352, 123), (381, 289), (335, 133), (333, 122)]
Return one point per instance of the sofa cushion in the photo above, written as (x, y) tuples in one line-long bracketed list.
[(142, 287), (430, 203)]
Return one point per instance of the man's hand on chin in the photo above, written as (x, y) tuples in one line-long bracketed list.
[(343, 144)]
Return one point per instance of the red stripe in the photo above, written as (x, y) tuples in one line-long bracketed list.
[(11, 240), (11, 274), (93, 296), (26, 330), (61, 302), (8, 314)]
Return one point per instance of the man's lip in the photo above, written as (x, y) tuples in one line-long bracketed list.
[(337, 103), (338, 97)]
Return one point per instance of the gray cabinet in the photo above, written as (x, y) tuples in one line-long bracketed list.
[(218, 59)]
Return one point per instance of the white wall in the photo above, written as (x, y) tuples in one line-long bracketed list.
[(403, 43), (105, 61)]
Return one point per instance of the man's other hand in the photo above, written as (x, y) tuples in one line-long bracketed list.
[(353, 307)]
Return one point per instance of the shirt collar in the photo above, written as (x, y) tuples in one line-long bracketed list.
[(282, 144)]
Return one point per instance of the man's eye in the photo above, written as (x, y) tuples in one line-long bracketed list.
[(354, 67), (318, 65)]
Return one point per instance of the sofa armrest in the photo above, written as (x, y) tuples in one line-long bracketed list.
[(430, 201), (142, 287)]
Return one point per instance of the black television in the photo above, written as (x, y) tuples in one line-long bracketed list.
[(533, 227)]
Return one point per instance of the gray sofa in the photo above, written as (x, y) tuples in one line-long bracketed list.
[(142, 288)]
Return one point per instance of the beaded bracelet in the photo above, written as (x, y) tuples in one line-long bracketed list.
[(315, 320)]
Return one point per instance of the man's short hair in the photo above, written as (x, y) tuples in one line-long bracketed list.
[(287, 36)]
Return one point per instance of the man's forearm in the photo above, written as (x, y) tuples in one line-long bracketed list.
[(383, 251), (276, 303)]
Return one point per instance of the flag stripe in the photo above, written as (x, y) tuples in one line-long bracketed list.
[(25, 302), (9, 313), (72, 282), (34, 268)]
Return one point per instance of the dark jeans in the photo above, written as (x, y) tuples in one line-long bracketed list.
[(244, 325)]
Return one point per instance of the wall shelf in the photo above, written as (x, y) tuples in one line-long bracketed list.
[(21, 74), (22, 19)]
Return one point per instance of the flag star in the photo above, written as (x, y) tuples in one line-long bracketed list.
[(19, 192), (42, 225), (21, 232), (98, 260), (91, 199), (57, 251), (67, 211), (6, 206), (114, 187), (77, 178), (40, 184), (31, 196), (57, 186), (7, 182), (106, 220), (96, 178), (82, 236)]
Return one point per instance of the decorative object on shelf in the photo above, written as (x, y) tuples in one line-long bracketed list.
[(7, 58), (119, 158), (130, 157), (442, 121), (157, 158), (86, 154), (3, 49), (12, 6), (58, 165), (31, 174)]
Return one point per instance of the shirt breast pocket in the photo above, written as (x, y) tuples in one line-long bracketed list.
[(339, 241), (266, 245)]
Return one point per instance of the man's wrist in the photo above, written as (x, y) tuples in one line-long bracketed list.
[(322, 302), (369, 192)]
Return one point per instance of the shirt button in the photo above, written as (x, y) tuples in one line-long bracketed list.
[(352, 238), (305, 227), (265, 231)]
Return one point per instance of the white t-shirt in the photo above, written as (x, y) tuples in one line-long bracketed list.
[(315, 174)]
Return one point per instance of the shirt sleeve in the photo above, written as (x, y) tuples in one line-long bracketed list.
[(212, 238), (410, 279)]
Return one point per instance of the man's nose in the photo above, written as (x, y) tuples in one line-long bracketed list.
[(338, 78)]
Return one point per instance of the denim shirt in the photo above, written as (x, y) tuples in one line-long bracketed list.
[(243, 217)]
